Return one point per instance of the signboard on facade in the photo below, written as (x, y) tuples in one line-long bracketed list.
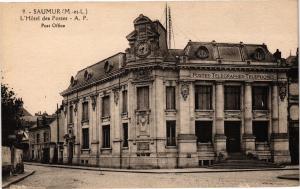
[(234, 76)]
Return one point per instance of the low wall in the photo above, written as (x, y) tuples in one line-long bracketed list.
[(12, 161)]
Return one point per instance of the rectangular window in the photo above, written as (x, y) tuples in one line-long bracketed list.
[(203, 131), (105, 106), (171, 133), (124, 105), (232, 98), (85, 138), (46, 138), (125, 134), (203, 97), (85, 111), (143, 98), (170, 98), (106, 136), (260, 131), (71, 114), (260, 98), (38, 138)]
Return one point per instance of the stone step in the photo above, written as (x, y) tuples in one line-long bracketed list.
[(244, 164)]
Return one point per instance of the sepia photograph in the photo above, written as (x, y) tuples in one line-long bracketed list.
[(149, 94)]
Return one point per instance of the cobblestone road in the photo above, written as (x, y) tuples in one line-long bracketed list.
[(47, 177)]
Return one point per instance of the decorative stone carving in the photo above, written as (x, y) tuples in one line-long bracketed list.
[(143, 121), (75, 102), (204, 114), (232, 114), (282, 90), (94, 101), (142, 74), (116, 96), (260, 114), (185, 90), (65, 105), (143, 146)]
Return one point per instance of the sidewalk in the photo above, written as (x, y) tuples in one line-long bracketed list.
[(14, 179), (161, 171)]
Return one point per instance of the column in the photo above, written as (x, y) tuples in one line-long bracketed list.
[(274, 108), (187, 146), (220, 138), (248, 138), (279, 137)]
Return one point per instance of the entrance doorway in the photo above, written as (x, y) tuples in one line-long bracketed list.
[(70, 153), (233, 137), (45, 155)]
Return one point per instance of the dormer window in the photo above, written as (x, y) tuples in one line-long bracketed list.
[(202, 52), (73, 81), (259, 54), (108, 66), (87, 75)]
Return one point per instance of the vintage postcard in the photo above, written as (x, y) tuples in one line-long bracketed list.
[(149, 94)]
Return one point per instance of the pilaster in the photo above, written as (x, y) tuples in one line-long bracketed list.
[(116, 123), (279, 137), (94, 144), (65, 154), (187, 146), (160, 122)]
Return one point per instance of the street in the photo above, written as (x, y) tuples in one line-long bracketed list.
[(49, 177)]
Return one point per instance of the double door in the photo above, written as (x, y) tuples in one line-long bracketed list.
[(233, 136)]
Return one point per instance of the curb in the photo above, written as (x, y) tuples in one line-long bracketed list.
[(289, 177), (17, 180), (159, 172)]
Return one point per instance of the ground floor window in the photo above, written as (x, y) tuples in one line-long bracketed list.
[(106, 136), (203, 131), (125, 134), (260, 131), (85, 138), (171, 133)]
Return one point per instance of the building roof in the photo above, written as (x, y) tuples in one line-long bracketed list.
[(228, 51), (206, 51), (292, 60), (95, 72), (25, 112)]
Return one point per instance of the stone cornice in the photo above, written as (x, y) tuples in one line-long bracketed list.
[(172, 66), (233, 67), (117, 74)]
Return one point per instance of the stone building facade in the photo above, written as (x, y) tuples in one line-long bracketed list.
[(154, 107), (46, 139), (293, 106)]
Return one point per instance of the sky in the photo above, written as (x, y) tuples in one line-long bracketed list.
[(38, 62)]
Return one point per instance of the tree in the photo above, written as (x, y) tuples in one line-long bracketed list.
[(11, 108)]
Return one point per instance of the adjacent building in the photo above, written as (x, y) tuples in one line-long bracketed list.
[(293, 106), (45, 139), (154, 107)]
